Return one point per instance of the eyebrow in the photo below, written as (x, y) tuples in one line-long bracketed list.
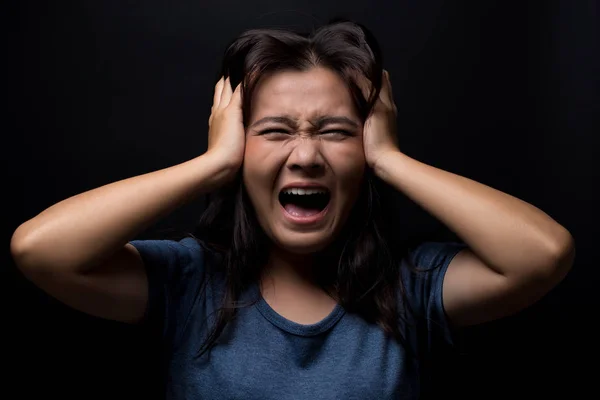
[(317, 122), (282, 119), (327, 120)]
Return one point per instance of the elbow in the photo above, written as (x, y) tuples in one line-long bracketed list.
[(21, 245), (27, 250), (561, 256), (38, 251)]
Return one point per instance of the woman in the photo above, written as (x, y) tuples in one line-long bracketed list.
[(293, 286)]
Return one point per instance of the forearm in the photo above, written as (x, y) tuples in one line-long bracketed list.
[(77, 232), (510, 235)]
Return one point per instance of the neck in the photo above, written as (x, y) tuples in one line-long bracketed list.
[(292, 276), (289, 267)]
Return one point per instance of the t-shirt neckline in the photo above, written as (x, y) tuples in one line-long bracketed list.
[(293, 327)]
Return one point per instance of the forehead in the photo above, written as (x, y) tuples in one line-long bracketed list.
[(302, 94)]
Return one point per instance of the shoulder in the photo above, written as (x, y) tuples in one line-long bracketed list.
[(177, 271), (422, 274), (169, 248), (428, 256), (171, 256)]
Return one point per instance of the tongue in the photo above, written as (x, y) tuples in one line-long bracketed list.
[(298, 211)]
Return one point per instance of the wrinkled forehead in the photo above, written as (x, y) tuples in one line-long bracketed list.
[(302, 94)]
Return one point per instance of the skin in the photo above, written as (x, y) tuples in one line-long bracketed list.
[(303, 127), (300, 150), (77, 250), (516, 253)]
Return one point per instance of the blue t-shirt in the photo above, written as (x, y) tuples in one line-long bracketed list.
[(262, 355)]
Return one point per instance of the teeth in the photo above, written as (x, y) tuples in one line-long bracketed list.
[(301, 191)]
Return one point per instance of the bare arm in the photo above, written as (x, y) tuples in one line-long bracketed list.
[(80, 232), (517, 253), (77, 250)]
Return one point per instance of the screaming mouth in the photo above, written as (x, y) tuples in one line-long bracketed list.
[(304, 202)]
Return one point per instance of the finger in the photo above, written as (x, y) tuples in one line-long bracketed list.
[(392, 102), (364, 85), (389, 84), (385, 94), (236, 97), (227, 93), (218, 90)]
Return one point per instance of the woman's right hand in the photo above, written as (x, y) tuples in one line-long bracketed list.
[(226, 135)]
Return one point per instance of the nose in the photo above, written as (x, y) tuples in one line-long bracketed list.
[(306, 156)]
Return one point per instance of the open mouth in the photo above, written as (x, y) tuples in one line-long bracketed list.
[(302, 203)]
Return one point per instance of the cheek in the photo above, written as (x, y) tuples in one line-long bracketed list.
[(347, 160), (259, 169), (252, 172), (252, 149), (349, 167)]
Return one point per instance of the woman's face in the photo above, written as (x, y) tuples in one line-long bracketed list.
[(304, 160)]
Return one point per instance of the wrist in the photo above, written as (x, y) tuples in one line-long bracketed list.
[(220, 170), (385, 163)]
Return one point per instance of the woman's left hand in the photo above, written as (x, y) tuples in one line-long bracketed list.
[(379, 132)]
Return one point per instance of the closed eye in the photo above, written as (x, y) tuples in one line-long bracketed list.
[(280, 133), (273, 130), (274, 133), (340, 133)]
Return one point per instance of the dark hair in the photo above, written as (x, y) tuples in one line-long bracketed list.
[(367, 279)]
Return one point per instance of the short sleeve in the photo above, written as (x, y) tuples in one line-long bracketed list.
[(176, 272), (423, 280)]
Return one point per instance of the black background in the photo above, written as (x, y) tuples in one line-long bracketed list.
[(506, 93)]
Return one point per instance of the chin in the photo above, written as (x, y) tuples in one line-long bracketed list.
[(302, 243)]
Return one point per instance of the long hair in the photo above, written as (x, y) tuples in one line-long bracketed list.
[(364, 272)]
